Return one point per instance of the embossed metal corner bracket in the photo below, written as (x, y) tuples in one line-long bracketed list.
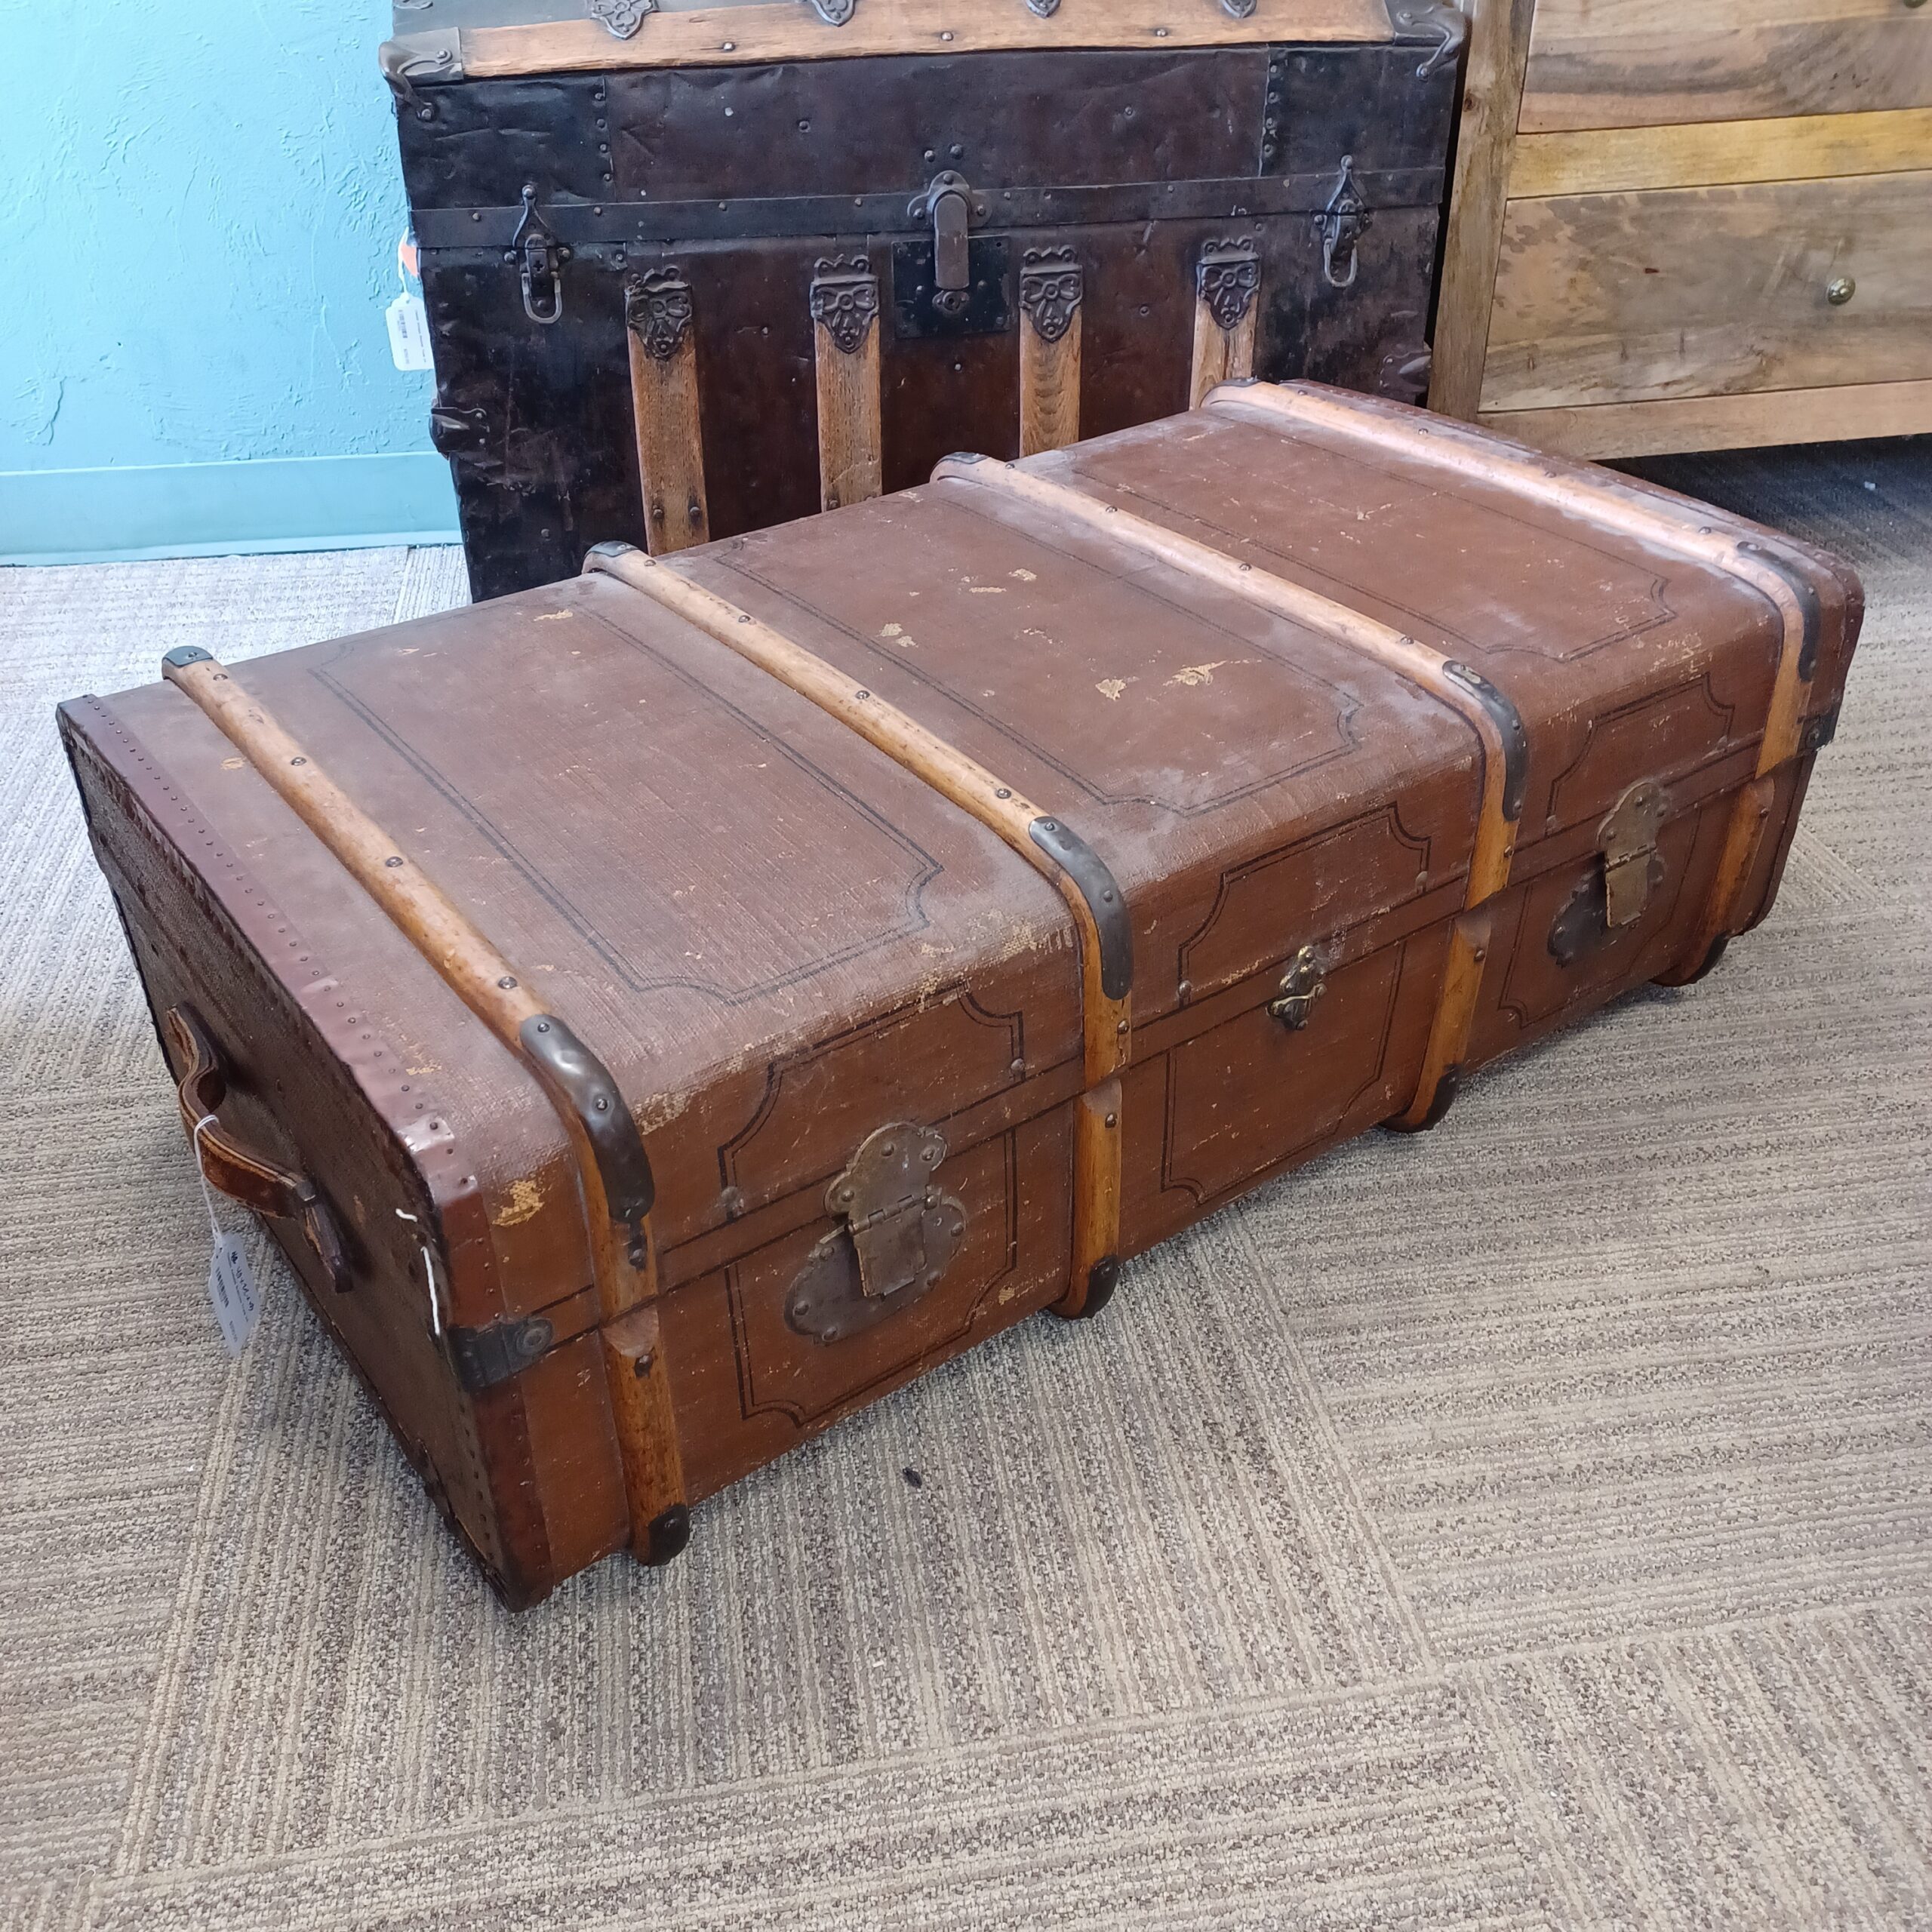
[(623, 17), (1227, 278), (418, 56), (1051, 287), (1443, 28), (834, 12), (844, 299), (657, 311), (899, 1233)]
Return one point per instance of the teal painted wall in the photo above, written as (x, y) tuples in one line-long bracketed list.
[(202, 205)]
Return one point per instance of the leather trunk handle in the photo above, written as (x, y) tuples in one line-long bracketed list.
[(233, 1170)]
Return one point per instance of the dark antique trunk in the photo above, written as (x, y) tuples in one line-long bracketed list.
[(1196, 212)]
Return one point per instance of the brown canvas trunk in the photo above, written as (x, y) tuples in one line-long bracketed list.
[(963, 891)]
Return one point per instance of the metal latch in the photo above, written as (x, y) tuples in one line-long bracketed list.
[(1627, 839), (539, 255), (1302, 985), (899, 1235), (1341, 225), (948, 204), (457, 431)]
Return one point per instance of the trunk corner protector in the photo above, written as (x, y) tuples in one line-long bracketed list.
[(1801, 587), (1508, 721), (1429, 23), (1104, 900), (419, 56), (574, 1071)]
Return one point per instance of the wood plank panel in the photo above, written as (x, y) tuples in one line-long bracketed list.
[(1689, 291), (1618, 63), (670, 447), (1608, 431), (1797, 147), (1227, 286), (1052, 287), (710, 36), (845, 333), (1492, 96)]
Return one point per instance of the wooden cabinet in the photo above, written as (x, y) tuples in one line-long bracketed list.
[(1671, 229)]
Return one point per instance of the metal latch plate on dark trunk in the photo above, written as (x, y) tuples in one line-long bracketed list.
[(989, 305)]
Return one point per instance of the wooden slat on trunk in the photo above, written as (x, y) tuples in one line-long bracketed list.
[(844, 304), (1051, 285), (670, 455)]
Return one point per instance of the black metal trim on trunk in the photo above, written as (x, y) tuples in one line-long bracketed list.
[(1104, 898)]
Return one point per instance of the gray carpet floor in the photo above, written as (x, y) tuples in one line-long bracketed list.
[(1530, 1525)]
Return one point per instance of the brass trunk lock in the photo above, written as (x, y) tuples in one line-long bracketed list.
[(1607, 902), (1627, 839), (1302, 985), (899, 1235)]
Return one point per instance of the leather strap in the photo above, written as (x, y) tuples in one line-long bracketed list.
[(229, 1167)]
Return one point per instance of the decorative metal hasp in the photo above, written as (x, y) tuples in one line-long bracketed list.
[(1341, 225), (1051, 285), (948, 204), (900, 1234), (845, 298), (1627, 839), (539, 256), (623, 17), (657, 311), (1302, 985), (1227, 278)]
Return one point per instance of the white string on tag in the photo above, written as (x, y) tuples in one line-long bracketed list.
[(232, 1290), (429, 1275), (201, 1126)]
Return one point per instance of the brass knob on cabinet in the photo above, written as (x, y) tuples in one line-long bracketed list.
[(1840, 290)]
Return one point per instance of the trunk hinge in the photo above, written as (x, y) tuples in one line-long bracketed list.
[(483, 1357)]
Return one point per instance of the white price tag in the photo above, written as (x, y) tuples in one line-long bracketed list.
[(409, 332), (238, 1302)]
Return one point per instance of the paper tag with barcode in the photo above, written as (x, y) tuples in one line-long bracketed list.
[(238, 1302), (409, 332)]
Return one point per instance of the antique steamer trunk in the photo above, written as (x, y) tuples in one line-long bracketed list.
[(690, 273), (661, 1013)]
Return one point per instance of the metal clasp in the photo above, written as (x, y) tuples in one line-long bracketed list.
[(539, 255), (1342, 224), (899, 1235), (1627, 839), (1302, 985), (948, 204)]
